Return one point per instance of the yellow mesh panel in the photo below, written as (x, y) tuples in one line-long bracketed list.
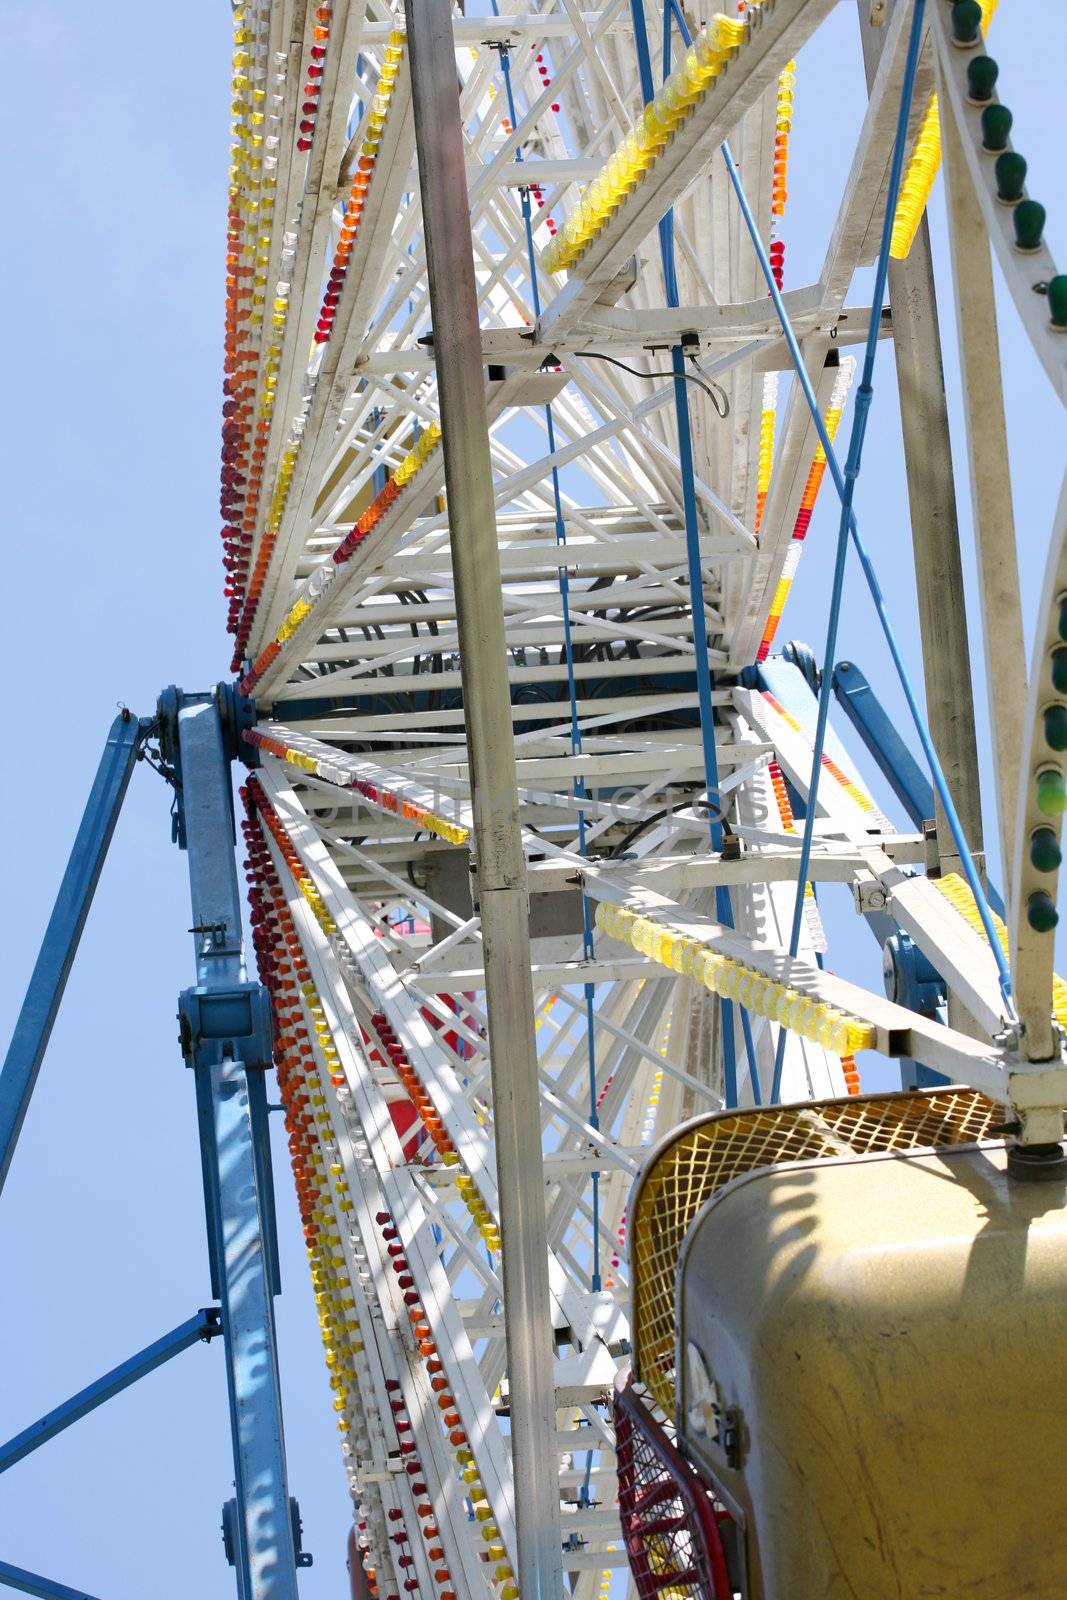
[(707, 1155)]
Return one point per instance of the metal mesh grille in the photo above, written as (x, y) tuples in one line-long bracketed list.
[(670, 1523), (707, 1155)]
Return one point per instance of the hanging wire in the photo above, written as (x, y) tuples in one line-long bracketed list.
[(714, 391)]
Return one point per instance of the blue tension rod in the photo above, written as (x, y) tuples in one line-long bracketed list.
[(59, 946), (923, 732), (864, 397), (201, 1328), (33, 1583), (723, 904)]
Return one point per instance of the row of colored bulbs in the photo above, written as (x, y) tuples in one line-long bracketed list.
[(731, 979), (852, 789), (785, 812), (414, 1313), (420, 1330), (246, 261), (301, 607), (396, 1057), (451, 1421), (330, 769), (710, 51), (387, 1038), (373, 128), (244, 589), (304, 883), (1009, 166), (283, 968), (783, 123), (309, 107), (812, 485), (1051, 785), (958, 894), (242, 616), (925, 159), (768, 415), (414, 460)]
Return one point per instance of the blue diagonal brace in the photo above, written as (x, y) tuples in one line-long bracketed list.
[(200, 1328), (49, 979), (899, 767), (33, 1583)]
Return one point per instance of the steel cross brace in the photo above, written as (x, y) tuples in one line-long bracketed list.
[(60, 944), (226, 1037), (201, 1328)]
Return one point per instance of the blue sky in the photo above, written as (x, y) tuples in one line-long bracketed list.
[(115, 149)]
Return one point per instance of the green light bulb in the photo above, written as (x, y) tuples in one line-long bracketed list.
[(1010, 169), (996, 125), (966, 21), (1041, 912), (1057, 311), (982, 74), (1045, 852), (1059, 669), (1055, 720), (1051, 792), (1029, 224)]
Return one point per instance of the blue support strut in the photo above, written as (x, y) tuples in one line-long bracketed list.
[(199, 1329), (226, 1039), (33, 1583), (34, 1026), (897, 764)]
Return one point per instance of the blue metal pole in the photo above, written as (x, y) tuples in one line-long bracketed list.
[(33, 1583), (201, 1328), (49, 979), (223, 1027)]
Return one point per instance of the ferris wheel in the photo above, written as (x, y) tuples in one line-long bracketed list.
[(525, 418)]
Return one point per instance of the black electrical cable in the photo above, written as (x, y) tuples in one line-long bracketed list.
[(714, 391), (657, 816)]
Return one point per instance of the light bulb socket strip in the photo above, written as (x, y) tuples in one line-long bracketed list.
[(732, 979), (416, 458), (634, 162), (305, 1030), (832, 421), (332, 766), (325, 1202)]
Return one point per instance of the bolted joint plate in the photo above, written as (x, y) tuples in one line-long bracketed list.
[(237, 712), (233, 1023), (1037, 1092)]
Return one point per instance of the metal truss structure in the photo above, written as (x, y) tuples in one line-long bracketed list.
[(515, 482)]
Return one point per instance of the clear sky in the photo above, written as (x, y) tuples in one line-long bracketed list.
[(114, 167)]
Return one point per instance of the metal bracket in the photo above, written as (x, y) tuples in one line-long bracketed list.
[(212, 1323), (216, 1023), (237, 712), (304, 1558), (869, 895)]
